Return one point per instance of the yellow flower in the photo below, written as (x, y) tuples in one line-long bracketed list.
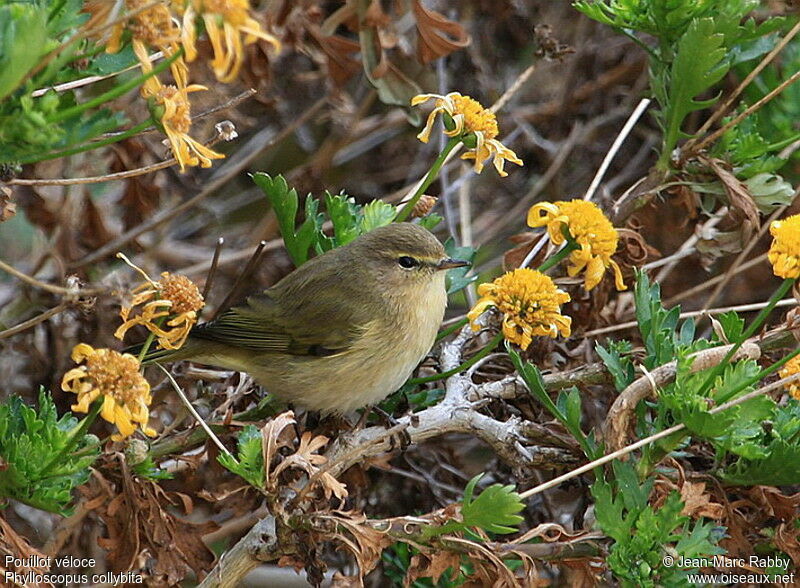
[(171, 107), (531, 305), (590, 228), (791, 368), (469, 117), (154, 28), (172, 296), (114, 376), (225, 22), (784, 253)]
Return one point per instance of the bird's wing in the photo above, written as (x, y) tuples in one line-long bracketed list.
[(264, 326)]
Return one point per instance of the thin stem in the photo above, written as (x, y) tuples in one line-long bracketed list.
[(558, 257), (194, 413), (147, 343), (428, 180), (757, 322), (33, 321), (95, 145), (45, 286), (114, 92), (470, 362), (665, 433), (452, 328)]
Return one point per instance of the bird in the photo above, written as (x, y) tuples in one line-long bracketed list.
[(340, 332)]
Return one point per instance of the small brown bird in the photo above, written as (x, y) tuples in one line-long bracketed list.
[(344, 330)]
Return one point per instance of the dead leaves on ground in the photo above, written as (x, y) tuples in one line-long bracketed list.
[(142, 532), (14, 547)]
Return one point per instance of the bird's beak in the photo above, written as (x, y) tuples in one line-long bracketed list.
[(449, 263)]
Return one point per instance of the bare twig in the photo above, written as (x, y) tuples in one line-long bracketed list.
[(646, 441), (694, 313), (255, 146), (213, 269), (513, 88), (240, 279), (194, 413), (260, 545), (33, 321), (73, 293), (747, 112), (131, 173), (723, 109), (618, 419), (618, 141)]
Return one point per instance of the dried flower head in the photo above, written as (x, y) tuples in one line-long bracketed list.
[(171, 107), (168, 308), (226, 21), (530, 303), (590, 229), (466, 117), (423, 206), (784, 253), (791, 368), (150, 26), (115, 377)]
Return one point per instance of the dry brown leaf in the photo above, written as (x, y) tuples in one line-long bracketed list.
[(339, 52), (363, 541), (14, 546), (698, 504), (8, 208), (271, 440), (141, 196), (513, 258), (786, 539), (776, 503), (438, 36), (739, 197), (93, 233), (143, 532), (306, 459), (432, 565), (581, 573)]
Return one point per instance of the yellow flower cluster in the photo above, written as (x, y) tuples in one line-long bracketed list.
[(115, 377), (592, 231), (530, 303), (169, 309), (784, 253), (469, 119), (791, 368), (156, 26)]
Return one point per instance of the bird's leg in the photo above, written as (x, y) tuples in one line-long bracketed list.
[(389, 421), (362, 420)]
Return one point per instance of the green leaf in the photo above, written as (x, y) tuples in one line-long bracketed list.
[(285, 203), (732, 325), (699, 64), (377, 214), (343, 212), (30, 439), (23, 41), (431, 221), (618, 364), (494, 510), (250, 459), (457, 277)]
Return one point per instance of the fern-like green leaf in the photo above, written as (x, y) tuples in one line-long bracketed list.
[(699, 64), (249, 463)]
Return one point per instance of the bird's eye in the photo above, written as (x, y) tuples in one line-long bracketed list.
[(407, 262)]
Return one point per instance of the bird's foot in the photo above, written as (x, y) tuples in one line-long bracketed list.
[(403, 437)]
